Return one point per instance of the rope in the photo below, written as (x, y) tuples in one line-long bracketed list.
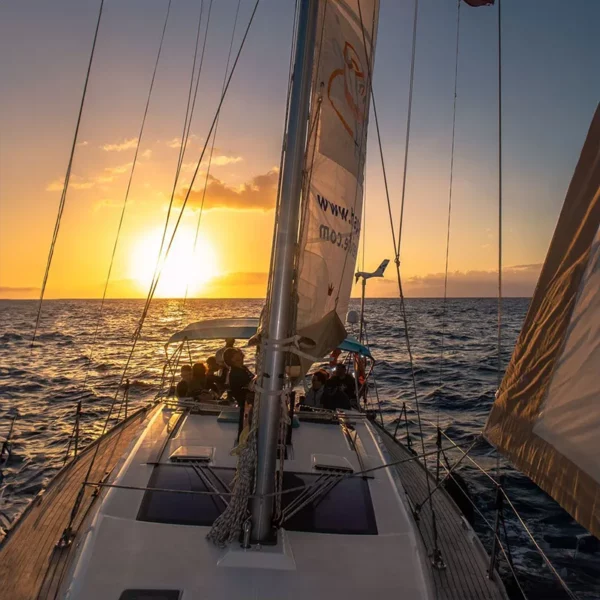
[(445, 301), (61, 205), (408, 122)]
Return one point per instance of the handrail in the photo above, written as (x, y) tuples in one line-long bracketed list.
[(499, 487)]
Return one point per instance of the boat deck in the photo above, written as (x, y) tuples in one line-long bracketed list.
[(31, 565), (465, 576)]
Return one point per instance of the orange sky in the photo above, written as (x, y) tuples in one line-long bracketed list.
[(44, 55)]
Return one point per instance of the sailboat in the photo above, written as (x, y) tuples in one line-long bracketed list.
[(188, 500)]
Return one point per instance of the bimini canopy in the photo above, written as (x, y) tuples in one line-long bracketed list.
[(217, 329), (243, 329)]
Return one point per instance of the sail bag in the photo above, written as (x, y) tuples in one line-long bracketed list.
[(546, 417), (334, 169)]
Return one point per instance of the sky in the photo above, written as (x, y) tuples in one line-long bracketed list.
[(550, 54)]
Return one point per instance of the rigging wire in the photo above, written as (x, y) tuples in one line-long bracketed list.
[(265, 313), (189, 110), (445, 300), (161, 259), (499, 365), (212, 147), (397, 262), (63, 197), (153, 286), (126, 198), (408, 122), (196, 171), (362, 146)]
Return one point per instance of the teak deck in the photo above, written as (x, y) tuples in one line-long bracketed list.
[(465, 576), (31, 565)]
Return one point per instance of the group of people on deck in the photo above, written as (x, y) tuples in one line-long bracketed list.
[(337, 391), (223, 372)]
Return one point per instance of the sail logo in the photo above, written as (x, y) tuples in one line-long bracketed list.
[(352, 101)]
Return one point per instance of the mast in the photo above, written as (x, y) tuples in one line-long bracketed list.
[(283, 270)]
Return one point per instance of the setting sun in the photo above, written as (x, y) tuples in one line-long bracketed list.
[(184, 269)]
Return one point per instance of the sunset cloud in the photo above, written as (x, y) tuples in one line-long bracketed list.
[(75, 182), (119, 147), (85, 183), (257, 194), (117, 170), (174, 143), (517, 280)]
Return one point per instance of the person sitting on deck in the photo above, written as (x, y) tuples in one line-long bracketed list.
[(240, 376), (344, 382), (198, 382), (314, 396), (183, 387), (334, 398), (220, 354), (239, 384), (213, 381)]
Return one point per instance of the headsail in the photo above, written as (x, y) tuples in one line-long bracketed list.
[(546, 418), (335, 160)]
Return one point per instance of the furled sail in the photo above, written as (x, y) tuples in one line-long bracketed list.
[(546, 418), (335, 160)]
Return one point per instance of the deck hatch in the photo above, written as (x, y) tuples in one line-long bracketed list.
[(150, 595), (195, 454), (345, 509)]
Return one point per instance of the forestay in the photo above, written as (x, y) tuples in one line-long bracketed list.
[(335, 159), (546, 417)]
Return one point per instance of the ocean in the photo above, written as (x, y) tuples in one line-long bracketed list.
[(42, 386)]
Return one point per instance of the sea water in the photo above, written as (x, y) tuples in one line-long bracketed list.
[(79, 354)]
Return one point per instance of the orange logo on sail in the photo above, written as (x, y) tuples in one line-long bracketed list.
[(355, 89)]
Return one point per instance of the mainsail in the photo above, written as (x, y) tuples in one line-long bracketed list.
[(335, 160), (546, 418)]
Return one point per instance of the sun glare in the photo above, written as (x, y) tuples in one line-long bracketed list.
[(183, 270)]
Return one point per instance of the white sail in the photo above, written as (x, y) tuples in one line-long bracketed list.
[(546, 417), (335, 159)]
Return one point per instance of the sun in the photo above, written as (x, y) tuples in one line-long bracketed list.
[(185, 270)]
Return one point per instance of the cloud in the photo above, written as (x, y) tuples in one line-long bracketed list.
[(75, 182), (125, 145), (219, 160), (174, 143), (222, 160), (146, 153), (84, 143), (119, 169), (17, 293), (518, 280), (82, 183), (257, 194)]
